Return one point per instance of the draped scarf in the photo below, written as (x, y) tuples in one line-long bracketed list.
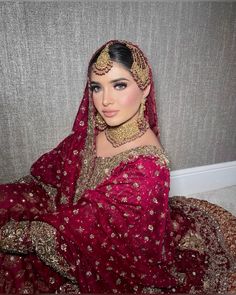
[(62, 170)]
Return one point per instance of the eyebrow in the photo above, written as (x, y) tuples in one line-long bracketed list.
[(112, 81)]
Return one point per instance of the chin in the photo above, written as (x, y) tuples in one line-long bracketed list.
[(114, 123)]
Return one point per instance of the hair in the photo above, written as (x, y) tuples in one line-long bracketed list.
[(118, 52)]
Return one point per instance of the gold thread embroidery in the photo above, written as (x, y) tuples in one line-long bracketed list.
[(88, 154), (25, 236), (14, 237), (192, 241), (216, 227), (226, 221), (103, 167), (64, 199), (43, 237), (68, 288)]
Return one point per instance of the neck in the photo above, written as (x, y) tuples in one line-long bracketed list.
[(126, 132)]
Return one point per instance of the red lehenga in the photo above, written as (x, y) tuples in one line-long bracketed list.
[(81, 223)]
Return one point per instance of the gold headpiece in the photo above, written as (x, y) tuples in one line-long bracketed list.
[(139, 69), (103, 63)]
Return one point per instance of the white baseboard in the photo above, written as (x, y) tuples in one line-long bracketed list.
[(202, 179)]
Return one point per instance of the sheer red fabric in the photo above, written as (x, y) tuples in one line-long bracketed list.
[(54, 160), (81, 223)]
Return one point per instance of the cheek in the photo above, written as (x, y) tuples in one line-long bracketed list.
[(130, 99), (96, 103)]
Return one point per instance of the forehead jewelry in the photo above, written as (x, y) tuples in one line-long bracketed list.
[(103, 63), (139, 69)]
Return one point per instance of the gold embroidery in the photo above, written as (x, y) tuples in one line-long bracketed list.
[(63, 199), (192, 241), (88, 154), (14, 237), (215, 232), (103, 167), (43, 237), (24, 179), (26, 288), (69, 288), (151, 290), (25, 236), (51, 192), (226, 221)]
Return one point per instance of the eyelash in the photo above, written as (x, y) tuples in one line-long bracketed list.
[(120, 86), (92, 88)]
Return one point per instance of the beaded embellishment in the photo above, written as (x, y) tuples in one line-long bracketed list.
[(103, 63), (124, 133), (139, 69)]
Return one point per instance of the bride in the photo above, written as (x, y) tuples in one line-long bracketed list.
[(93, 215)]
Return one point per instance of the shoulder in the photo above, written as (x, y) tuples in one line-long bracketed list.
[(144, 161), (151, 154), (145, 169)]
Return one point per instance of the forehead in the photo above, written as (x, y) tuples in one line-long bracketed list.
[(117, 71)]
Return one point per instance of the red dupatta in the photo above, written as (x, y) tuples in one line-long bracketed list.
[(62, 170)]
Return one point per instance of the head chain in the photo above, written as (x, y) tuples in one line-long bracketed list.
[(139, 69)]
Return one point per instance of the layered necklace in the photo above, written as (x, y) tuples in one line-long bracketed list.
[(126, 132)]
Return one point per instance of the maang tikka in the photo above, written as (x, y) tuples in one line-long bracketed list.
[(104, 62), (139, 69)]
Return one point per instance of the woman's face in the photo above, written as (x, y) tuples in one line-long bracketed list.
[(116, 95)]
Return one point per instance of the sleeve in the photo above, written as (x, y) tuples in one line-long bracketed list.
[(46, 168), (117, 230)]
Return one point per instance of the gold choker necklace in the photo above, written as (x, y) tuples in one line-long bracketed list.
[(124, 133)]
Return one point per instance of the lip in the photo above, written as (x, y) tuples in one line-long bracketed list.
[(110, 113)]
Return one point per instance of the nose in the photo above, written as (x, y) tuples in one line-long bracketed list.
[(107, 97)]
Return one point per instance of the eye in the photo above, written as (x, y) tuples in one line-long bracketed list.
[(120, 86), (95, 88)]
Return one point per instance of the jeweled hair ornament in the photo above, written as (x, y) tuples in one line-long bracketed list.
[(104, 62), (139, 69)]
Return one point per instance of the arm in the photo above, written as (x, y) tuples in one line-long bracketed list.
[(117, 227)]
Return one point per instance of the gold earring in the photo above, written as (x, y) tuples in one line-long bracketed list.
[(99, 122), (142, 123)]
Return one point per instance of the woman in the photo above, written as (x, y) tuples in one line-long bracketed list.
[(93, 215)]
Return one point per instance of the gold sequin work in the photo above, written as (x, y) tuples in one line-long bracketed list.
[(24, 237), (213, 236), (103, 166)]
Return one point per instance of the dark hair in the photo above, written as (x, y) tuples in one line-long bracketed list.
[(118, 52)]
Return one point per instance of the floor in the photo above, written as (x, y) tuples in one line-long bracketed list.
[(225, 197)]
